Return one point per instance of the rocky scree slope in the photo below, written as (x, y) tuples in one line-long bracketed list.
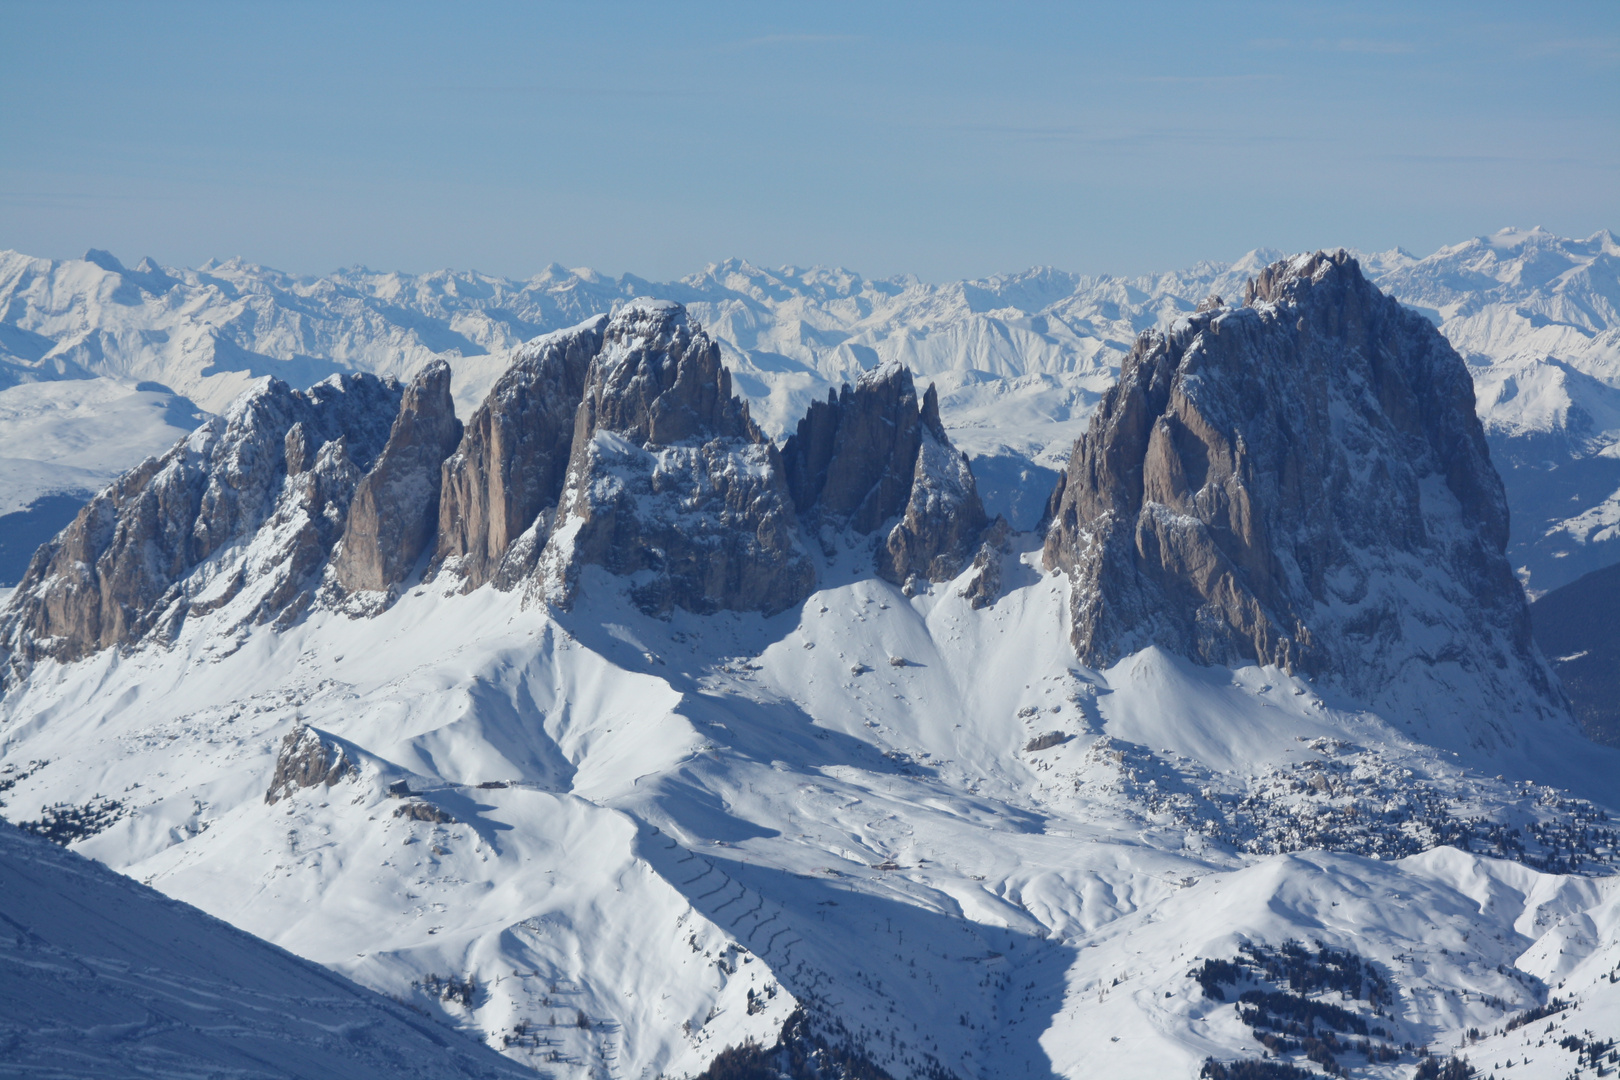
[(1302, 482)]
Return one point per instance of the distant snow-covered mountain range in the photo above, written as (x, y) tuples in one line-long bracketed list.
[(1019, 360)]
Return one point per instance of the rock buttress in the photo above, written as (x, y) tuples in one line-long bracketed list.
[(670, 482), (395, 511), (507, 473), (872, 454)]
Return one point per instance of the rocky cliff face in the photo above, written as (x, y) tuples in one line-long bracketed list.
[(943, 521), (393, 517), (242, 511), (670, 481), (851, 463), (618, 443), (1300, 482), (509, 469), (873, 453)]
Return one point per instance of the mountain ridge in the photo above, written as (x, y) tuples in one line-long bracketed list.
[(620, 833), (1019, 360), (298, 498)]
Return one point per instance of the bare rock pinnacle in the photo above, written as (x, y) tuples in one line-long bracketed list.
[(507, 473), (871, 454), (395, 511)]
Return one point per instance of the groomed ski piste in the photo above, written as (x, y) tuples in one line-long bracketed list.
[(611, 845)]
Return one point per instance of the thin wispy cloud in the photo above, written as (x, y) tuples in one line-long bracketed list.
[(1142, 138), (1366, 45), (1369, 46), (793, 39), (1602, 49), (581, 90), (1528, 156), (1203, 80)]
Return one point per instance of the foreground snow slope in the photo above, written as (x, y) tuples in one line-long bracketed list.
[(707, 821), (103, 977)]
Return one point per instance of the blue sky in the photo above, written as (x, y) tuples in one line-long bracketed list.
[(945, 140)]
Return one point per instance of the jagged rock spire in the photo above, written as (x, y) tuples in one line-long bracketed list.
[(507, 474), (670, 480), (618, 443), (871, 454), (395, 511), (850, 464), (659, 379)]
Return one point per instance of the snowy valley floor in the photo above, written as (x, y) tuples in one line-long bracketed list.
[(629, 842)]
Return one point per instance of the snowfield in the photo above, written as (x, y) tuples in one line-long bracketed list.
[(611, 845)]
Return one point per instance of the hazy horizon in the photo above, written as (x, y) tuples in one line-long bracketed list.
[(944, 141)]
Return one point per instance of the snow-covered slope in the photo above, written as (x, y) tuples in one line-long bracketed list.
[(607, 809), (613, 838), (1578, 627), (101, 977), (60, 442)]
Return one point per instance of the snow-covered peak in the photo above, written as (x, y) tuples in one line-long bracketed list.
[(104, 259), (1564, 280), (539, 345)]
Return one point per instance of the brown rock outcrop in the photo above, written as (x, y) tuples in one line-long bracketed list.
[(279, 569), (508, 470), (308, 758), (852, 461), (944, 520), (395, 511), (984, 583)]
